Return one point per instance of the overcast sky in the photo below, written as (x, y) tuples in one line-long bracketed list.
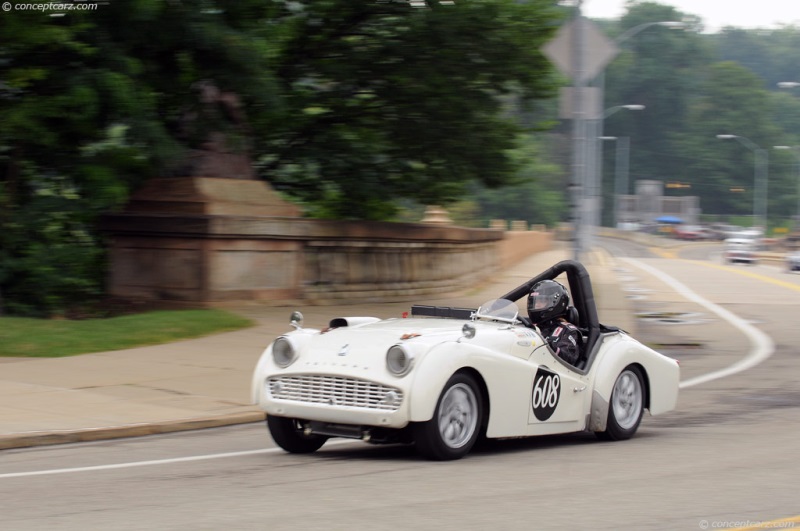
[(715, 13)]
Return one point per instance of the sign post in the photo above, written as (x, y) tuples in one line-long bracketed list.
[(581, 51)]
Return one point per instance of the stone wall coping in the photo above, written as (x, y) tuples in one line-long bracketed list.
[(257, 227)]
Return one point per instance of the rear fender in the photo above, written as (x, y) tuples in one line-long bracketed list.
[(607, 369), (661, 378)]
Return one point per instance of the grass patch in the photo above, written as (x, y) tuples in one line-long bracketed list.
[(48, 338)]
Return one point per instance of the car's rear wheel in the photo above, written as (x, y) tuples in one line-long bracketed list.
[(456, 422), (289, 435), (626, 406)]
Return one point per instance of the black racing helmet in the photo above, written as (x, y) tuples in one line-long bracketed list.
[(547, 300)]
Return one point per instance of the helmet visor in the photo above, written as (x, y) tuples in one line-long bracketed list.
[(540, 301)]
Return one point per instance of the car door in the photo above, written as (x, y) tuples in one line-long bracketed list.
[(559, 395)]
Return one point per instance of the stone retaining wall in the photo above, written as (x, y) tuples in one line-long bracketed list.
[(181, 242), (207, 260)]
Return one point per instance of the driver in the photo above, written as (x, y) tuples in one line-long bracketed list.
[(547, 304)]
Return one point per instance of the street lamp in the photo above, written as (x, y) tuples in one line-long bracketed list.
[(596, 190), (611, 110), (796, 151), (620, 171), (760, 186), (674, 24), (594, 152), (791, 85)]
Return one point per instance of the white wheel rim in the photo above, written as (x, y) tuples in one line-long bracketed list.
[(458, 415), (626, 400)]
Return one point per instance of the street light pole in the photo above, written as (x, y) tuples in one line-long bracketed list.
[(597, 189), (796, 151), (596, 125), (791, 85), (620, 171), (760, 185)]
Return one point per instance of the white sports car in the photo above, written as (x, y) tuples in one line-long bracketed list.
[(446, 377)]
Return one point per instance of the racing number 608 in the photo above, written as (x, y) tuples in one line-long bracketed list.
[(545, 393)]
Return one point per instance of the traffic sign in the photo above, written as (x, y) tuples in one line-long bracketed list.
[(597, 51)]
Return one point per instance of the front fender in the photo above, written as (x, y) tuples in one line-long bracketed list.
[(257, 382), (266, 365), (507, 379)]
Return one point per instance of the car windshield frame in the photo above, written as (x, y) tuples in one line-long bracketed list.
[(501, 310)]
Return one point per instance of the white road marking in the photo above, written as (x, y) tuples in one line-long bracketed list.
[(135, 464), (762, 345), (155, 462)]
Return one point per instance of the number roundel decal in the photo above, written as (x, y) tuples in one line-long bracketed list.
[(546, 392)]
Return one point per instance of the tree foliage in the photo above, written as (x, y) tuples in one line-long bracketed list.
[(390, 102), (735, 102), (92, 105), (350, 106), (360, 109), (696, 86)]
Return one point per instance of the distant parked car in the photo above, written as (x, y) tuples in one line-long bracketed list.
[(628, 226), (691, 232), (723, 231), (793, 261), (740, 250)]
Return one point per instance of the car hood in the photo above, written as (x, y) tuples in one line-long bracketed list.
[(364, 346)]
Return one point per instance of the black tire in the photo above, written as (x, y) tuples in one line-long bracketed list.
[(626, 406), (457, 421), (288, 434)]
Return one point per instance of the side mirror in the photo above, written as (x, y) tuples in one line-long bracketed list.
[(296, 320), (468, 331)]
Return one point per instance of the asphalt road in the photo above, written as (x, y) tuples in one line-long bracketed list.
[(725, 458)]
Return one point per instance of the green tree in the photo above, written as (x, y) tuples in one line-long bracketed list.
[(350, 106), (389, 101), (51, 105), (770, 54), (92, 104), (537, 193), (657, 67), (734, 102)]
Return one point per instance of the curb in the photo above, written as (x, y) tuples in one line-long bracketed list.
[(29, 439)]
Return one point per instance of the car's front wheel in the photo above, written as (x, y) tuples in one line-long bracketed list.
[(289, 435), (626, 406), (456, 422)]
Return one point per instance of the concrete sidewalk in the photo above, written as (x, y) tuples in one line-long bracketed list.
[(205, 382)]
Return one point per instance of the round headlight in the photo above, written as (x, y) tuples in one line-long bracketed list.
[(283, 352), (398, 360)]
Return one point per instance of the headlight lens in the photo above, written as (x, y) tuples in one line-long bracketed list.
[(398, 360), (283, 352)]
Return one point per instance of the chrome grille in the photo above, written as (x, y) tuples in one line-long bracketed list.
[(335, 391)]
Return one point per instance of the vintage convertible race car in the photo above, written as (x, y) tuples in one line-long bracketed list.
[(446, 377)]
